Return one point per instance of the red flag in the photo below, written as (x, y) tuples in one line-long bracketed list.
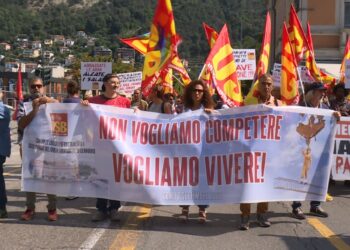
[(222, 67), (263, 63), (289, 77), (296, 35), (19, 92)]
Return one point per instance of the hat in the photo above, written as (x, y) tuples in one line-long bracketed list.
[(315, 86)]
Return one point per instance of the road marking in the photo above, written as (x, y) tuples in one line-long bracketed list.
[(94, 236), (128, 236), (328, 234)]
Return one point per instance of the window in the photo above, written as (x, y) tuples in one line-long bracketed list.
[(347, 15)]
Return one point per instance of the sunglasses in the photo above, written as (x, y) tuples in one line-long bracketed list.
[(34, 86), (198, 90)]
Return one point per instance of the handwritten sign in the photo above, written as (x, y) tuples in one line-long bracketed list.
[(130, 81), (245, 63), (93, 73)]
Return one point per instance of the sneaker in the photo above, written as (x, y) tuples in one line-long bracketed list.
[(99, 216), (114, 215), (52, 215), (184, 214), (298, 214), (318, 211), (329, 197), (263, 221), (244, 222), (28, 214), (3, 213), (202, 216), (70, 198)]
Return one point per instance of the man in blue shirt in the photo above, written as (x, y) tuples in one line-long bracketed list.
[(5, 150)]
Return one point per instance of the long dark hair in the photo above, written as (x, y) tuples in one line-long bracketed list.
[(206, 101)]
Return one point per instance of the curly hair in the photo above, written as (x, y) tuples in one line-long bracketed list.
[(206, 101)]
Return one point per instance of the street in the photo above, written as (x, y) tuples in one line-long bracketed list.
[(158, 227)]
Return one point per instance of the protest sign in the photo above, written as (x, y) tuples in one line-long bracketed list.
[(248, 154), (92, 74), (303, 71), (130, 81), (276, 74), (245, 63), (341, 151)]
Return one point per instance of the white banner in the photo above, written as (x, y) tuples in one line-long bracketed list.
[(245, 63), (341, 151), (92, 74), (130, 81), (249, 154)]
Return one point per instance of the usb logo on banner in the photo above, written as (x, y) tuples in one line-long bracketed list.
[(59, 123)]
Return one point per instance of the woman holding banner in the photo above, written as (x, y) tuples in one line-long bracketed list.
[(197, 96)]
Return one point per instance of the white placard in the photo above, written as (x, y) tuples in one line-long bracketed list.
[(245, 63), (92, 74), (130, 81)]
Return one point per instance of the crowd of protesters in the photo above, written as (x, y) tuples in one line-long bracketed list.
[(196, 96)]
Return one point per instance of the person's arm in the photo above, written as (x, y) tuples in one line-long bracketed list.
[(25, 120)]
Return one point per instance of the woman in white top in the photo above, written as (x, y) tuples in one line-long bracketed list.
[(197, 96)]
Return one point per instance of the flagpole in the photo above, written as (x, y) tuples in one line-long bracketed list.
[(178, 80), (203, 68), (302, 86)]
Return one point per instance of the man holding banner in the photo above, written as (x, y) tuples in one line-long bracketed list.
[(111, 84), (265, 87), (24, 118), (313, 96)]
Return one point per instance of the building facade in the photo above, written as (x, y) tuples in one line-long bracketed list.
[(329, 22)]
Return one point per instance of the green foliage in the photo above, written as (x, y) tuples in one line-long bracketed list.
[(107, 20)]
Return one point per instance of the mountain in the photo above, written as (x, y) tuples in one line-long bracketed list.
[(109, 19)]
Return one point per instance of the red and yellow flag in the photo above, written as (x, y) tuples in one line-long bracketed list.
[(166, 80), (345, 57), (310, 61), (205, 74), (211, 34), (139, 43), (311, 64), (296, 35), (222, 67), (177, 65), (289, 83), (263, 63), (161, 45)]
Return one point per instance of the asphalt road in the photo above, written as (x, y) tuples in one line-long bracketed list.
[(158, 227)]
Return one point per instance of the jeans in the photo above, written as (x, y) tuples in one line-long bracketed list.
[(313, 204), (261, 208), (101, 205), (3, 197)]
